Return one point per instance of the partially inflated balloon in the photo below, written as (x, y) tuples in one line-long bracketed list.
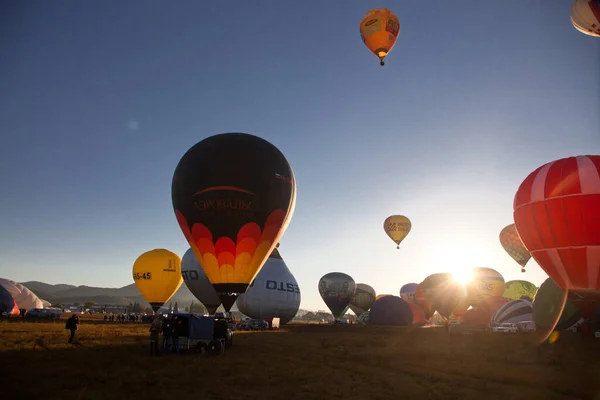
[(516, 290), (551, 308), (407, 292), (397, 227), (381, 295), (24, 297), (585, 16), (336, 289), (514, 311), (510, 240), (157, 275), (195, 279), (445, 294), (363, 297), (233, 196), (422, 302), (485, 283), (379, 30), (7, 303), (390, 310)]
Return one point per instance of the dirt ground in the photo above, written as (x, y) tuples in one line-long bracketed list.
[(303, 361)]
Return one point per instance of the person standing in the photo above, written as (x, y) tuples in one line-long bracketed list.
[(155, 329), (72, 325)]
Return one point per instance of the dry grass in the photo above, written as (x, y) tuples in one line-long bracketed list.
[(298, 362)]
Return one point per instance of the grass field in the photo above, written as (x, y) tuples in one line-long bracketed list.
[(297, 362)]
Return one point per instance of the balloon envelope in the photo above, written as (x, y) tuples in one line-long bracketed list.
[(418, 314), (518, 289), (7, 303), (336, 289), (363, 298), (585, 16), (157, 275), (444, 294), (195, 279), (512, 244), (407, 292), (24, 297), (274, 293), (481, 314), (557, 214), (379, 30), (485, 283), (514, 311), (397, 227), (551, 309), (390, 310), (233, 196), (422, 302)]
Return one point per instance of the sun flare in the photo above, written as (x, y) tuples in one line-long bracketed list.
[(462, 276)]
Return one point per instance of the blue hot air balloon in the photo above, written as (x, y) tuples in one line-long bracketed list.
[(390, 310)]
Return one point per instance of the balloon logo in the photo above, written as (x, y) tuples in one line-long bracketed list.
[(233, 196), (486, 283), (157, 275), (379, 30), (510, 240), (397, 227), (557, 215)]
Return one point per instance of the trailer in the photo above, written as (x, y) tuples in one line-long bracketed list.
[(204, 334)]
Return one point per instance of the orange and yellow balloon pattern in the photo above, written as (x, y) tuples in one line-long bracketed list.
[(397, 227), (379, 30)]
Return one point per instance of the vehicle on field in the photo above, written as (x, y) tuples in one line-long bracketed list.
[(204, 334), (505, 327), (44, 313), (526, 326)]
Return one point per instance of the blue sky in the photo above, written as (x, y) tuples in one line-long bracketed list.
[(99, 100)]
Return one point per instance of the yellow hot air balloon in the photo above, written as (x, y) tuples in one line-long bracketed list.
[(486, 282), (157, 275), (379, 31), (397, 227)]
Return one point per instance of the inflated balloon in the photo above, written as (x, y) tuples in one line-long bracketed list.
[(586, 303), (407, 292), (390, 310), (516, 290), (445, 294), (585, 16), (157, 275), (551, 308), (24, 297), (485, 283), (397, 227), (233, 196), (481, 314), (381, 295), (274, 293), (195, 279), (362, 299), (7, 302), (379, 30), (418, 314), (510, 240), (422, 302), (514, 311), (336, 289), (557, 214)]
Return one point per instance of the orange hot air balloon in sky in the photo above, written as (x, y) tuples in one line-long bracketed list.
[(379, 30), (510, 240), (557, 214)]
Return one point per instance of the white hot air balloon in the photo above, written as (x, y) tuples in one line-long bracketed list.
[(585, 16), (197, 281), (24, 297), (274, 293)]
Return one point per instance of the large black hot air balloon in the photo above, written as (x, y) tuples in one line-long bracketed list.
[(233, 196)]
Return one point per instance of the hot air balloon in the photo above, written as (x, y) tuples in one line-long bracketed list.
[(397, 227), (363, 318), (233, 196), (514, 311), (418, 314), (444, 294), (336, 289), (407, 292), (157, 275), (195, 279), (551, 308), (557, 215), (363, 297), (379, 30), (586, 303), (24, 297), (510, 240), (481, 314), (516, 290), (7, 302), (381, 295), (485, 283), (422, 302), (390, 310), (585, 16), (274, 293)]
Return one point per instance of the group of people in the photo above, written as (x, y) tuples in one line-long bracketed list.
[(171, 328)]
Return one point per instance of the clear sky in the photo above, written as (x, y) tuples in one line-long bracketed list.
[(99, 100)]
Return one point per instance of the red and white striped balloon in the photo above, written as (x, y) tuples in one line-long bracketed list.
[(557, 215)]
